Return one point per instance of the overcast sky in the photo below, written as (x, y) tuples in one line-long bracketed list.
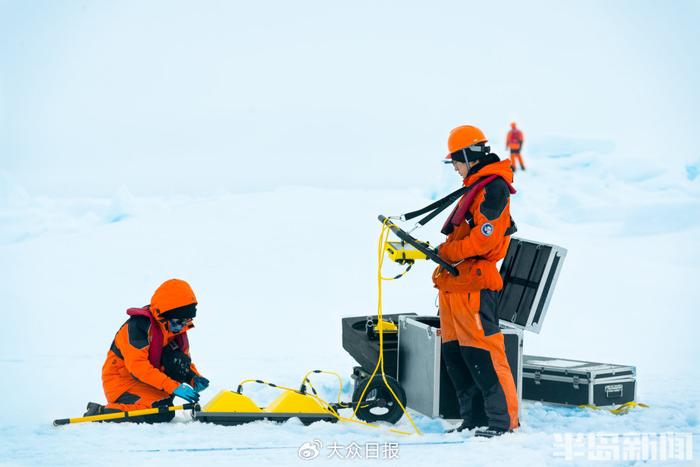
[(165, 96)]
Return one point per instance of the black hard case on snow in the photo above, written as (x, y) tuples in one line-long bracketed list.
[(573, 382)]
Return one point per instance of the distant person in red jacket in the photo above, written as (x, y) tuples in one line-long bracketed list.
[(514, 142)]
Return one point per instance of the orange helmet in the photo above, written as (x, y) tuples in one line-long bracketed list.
[(512, 125), (465, 139), (174, 299)]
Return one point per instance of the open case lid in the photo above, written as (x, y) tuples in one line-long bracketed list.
[(530, 271)]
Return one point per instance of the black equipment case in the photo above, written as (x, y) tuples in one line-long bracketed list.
[(572, 382), (363, 345)]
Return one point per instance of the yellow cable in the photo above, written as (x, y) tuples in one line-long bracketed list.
[(382, 247), (323, 403), (335, 412), (621, 410), (383, 237), (326, 372)]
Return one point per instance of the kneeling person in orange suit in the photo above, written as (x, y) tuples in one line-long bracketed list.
[(478, 235), (148, 363)]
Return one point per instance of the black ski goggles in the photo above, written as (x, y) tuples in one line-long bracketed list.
[(469, 154)]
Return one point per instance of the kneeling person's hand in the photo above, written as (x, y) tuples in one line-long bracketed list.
[(186, 392)]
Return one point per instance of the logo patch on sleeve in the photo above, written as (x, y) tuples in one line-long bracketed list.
[(487, 229)]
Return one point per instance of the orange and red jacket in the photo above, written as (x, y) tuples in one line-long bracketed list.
[(133, 346), (515, 139), (483, 243)]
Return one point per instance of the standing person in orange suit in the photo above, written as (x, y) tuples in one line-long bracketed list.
[(149, 363), (514, 142), (478, 235)]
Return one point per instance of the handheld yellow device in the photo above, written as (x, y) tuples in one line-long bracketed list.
[(402, 252)]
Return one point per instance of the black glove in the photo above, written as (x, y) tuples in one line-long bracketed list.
[(176, 364)]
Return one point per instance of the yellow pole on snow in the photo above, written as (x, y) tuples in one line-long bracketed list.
[(128, 414)]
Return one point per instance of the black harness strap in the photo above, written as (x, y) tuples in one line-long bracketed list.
[(437, 207), (440, 205)]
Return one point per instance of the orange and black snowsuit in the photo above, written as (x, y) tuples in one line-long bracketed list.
[(133, 376), (514, 142), (472, 343)]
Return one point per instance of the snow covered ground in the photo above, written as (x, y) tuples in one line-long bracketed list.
[(248, 147), (274, 271)]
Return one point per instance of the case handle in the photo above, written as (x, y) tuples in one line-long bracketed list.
[(613, 391)]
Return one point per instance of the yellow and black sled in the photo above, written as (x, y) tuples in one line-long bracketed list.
[(235, 408)]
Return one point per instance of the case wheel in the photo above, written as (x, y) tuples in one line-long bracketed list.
[(379, 405)]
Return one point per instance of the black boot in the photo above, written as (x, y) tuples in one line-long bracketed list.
[(93, 408), (465, 426), (490, 432)]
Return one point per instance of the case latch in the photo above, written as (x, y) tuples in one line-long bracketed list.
[(538, 377)]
